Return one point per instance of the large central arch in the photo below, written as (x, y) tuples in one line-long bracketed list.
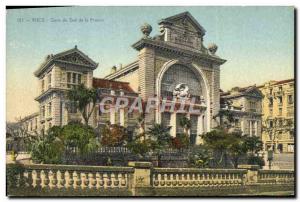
[(202, 90)]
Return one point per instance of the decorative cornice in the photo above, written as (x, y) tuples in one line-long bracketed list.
[(47, 92), (146, 42), (51, 59)]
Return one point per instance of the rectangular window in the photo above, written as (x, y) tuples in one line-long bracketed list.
[(271, 124), (74, 78), (280, 111), (280, 100), (290, 99), (194, 124), (179, 128), (166, 117), (253, 106), (49, 109), (69, 77), (79, 78), (270, 102)]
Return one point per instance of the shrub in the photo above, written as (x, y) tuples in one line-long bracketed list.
[(256, 160)]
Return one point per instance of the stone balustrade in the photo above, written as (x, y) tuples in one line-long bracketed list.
[(189, 177), (143, 176), (275, 177), (77, 177)]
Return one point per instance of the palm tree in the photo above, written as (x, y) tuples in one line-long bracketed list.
[(85, 100), (160, 133), (186, 124), (162, 138)]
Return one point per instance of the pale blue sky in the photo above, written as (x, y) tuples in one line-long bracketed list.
[(257, 42)]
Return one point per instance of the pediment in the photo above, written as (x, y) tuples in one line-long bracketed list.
[(76, 57), (186, 21)]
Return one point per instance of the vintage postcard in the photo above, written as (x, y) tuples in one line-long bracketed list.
[(150, 101)]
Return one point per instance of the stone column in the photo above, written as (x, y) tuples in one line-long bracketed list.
[(255, 127), (215, 91), (199, 129), (122, 117), (140, 181), (189, 130), (112, 115), (173, 124), (147, 79), (242, 126)]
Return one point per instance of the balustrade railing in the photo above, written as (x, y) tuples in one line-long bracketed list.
[(188, 177), (77, 177), (140, 174), (275, 177)]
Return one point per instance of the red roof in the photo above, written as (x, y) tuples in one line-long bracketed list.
[(109, 84)]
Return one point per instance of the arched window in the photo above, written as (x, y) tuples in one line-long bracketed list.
[(178, 74)]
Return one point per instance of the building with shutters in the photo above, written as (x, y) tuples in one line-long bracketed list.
[(278, 115)]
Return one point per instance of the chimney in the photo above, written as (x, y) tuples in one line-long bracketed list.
[(113, 69)]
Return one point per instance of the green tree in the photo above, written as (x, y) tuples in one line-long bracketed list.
[(253, 144), (85, 100), (79, 136), (236, 148), (186, 124), (48, 148), (160, 134), (226, 118), (217, 140), (200, 156)]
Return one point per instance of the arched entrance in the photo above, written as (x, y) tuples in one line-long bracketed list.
[(173, 77)]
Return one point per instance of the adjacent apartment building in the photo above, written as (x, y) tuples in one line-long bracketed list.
[(278, 115), (243, 105)]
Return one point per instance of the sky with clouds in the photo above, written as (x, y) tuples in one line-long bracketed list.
[(257, 42)]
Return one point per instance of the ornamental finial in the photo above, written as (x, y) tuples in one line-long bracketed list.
[(146, 29), (212, 48)]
